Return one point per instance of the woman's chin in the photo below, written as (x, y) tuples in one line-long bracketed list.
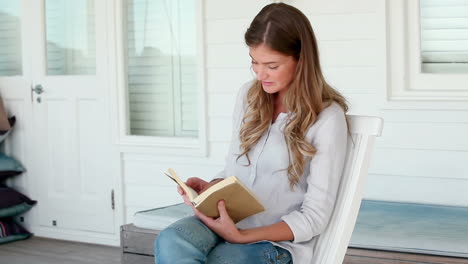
[(269, 89)]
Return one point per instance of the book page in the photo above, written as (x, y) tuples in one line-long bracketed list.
[(191, 193)]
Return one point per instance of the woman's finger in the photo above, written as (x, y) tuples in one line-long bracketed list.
[(180, 190), (187, 201), (222, 209)]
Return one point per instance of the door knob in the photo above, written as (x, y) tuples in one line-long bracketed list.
[(38, 89)]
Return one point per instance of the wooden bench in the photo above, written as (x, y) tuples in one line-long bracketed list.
[(137, 244), (417, 225)]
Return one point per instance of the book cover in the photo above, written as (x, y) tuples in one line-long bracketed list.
[(240, 201)]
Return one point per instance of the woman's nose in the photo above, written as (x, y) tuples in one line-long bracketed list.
[(261, 74)]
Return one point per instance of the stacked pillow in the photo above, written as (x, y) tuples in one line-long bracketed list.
[(12, 202), (9, 167), (11, 231)]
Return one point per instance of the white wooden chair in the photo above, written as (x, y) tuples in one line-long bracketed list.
[(332, 244), (137, 243)]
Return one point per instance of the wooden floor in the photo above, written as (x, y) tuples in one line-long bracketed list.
[(48, 251)]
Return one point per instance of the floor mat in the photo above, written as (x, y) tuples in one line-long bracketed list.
[(415, 228)]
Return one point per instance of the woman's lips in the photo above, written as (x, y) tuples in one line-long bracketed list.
[(267, 83)]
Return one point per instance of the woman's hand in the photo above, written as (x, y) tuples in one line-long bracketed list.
[(197, 185), (223, 225), (200, 185), (184, 196)]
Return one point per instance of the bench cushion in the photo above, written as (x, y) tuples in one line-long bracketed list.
[(160, 218)]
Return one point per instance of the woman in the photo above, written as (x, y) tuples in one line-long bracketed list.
[(288, 146)]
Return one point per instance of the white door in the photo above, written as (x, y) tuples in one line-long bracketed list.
[(70, 156)]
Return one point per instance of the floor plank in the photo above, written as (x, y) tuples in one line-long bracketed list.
[(38, 250)]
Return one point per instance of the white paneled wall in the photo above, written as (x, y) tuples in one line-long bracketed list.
[(422, 156)]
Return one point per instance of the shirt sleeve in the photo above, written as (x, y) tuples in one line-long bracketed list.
[(237, 115), (323, 180)]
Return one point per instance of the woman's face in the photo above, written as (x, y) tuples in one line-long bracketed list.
[(275, 70)]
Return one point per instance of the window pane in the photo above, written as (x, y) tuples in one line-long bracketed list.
[(444, 36), (161, 67), (10, 38), (70, 33)]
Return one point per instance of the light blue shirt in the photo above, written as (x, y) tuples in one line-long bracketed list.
[(308, 207)]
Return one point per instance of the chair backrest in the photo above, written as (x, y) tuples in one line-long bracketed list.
[(332, 244)]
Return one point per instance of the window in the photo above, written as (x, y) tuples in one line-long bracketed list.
[(162, 67), (71, 44), (10, 38), (417, 72), (444, 36)]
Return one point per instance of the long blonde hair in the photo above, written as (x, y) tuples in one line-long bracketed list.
[(287, 30)]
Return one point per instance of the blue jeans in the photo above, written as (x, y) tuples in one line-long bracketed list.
[(190, 241)]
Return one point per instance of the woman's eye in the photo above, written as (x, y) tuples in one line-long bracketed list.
[(272, 67)]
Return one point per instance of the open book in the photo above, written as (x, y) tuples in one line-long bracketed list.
[(240, 201)]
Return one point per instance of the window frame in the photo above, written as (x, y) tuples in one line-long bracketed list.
[(406, 82), (192, 146)]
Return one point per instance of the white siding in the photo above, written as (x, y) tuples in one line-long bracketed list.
[(422, 156)]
